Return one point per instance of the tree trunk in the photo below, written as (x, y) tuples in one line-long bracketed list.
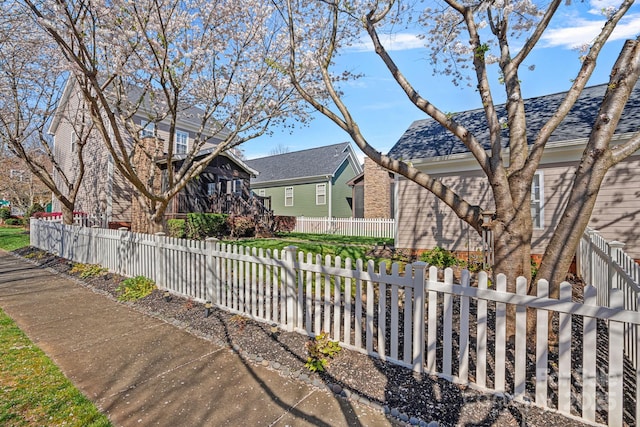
[(67, 213), (597, 159), (512, 254)]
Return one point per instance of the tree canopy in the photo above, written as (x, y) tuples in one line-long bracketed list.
[(214, 62), (463, 39)]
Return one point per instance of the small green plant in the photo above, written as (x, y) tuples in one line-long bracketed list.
[(135, 288), (320, 350), (439, 257), (86, 271), (534, 268)]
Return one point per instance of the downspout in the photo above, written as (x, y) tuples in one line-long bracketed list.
[(396, 209), (329, 198)]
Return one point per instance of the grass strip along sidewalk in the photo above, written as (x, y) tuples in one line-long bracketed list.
[(12, 238), (33, 391)]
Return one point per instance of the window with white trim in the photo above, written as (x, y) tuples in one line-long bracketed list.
[(212, 188), (148, 129), (237, 186), (288, 196), (321, 194), (537, 200), (182, 142)]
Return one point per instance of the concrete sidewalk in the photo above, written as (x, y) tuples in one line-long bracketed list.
[(142, 371)]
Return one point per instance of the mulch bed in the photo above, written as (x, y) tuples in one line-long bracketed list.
[(409, 397)]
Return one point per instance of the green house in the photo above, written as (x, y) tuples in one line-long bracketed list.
[(311, 183)]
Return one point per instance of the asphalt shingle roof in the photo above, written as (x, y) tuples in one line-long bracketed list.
[(300, 164), (426, 138)]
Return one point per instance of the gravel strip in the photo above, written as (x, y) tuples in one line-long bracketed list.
[(414, 399)]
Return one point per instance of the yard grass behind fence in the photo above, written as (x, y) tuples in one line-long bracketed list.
[(322, 244), (34, 391), (336, 239), (12, 238)]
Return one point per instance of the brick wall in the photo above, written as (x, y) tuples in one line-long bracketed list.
[(377, 191), (147, 170)]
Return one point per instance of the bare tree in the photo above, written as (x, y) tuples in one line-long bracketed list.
[(455, 31), (279, 149), (30, 87), (19, 185), (161, 59)]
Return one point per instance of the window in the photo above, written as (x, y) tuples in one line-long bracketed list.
[(321, 194), (288, 196), (148, 129), (237, 186), (212, 188), (16, 174), (537, 198), (74, 143), (182, 142)]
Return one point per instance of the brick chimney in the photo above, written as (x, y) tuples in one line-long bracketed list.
[(377, 190), (144, 160)]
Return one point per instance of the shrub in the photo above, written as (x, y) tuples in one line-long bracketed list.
[(284, 224), (320, 350), (242, 226), (135, 288), (5, 213), (85, 271), (14, 221), (202, 225), (36, 207), (177, 228), (439, 257)]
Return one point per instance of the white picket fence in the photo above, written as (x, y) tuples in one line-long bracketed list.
[(364, 227), (82, 219), (606, 266), (404, 316)]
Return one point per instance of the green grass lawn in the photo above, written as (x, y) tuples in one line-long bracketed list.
[(12, 238), (322, 244), (333, 238), (34, 391)]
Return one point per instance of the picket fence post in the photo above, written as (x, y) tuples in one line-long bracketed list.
[(160, 264), (615, 248), (210, 279), (591, 257), (419, 269), (289, 259)]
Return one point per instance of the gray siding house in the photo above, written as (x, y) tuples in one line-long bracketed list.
[(310, 182), (424, 222), (105, 191)]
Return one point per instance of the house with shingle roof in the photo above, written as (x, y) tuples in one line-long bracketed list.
[(223, 186), (309, 182), (424, 222)]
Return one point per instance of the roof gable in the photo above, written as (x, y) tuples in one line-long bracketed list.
[(314, 162), (427, 138), (188, 117)]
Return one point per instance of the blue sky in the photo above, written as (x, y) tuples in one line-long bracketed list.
[(384, 113)]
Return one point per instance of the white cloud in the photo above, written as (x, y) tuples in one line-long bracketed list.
[(391, 42), (583, 31)]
